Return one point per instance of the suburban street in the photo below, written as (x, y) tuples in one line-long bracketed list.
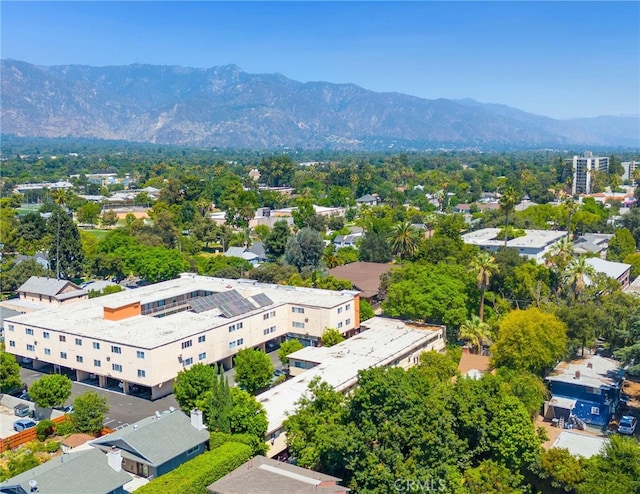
[(127, 409)]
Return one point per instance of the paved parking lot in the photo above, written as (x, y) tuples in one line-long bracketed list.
[(123, 409)]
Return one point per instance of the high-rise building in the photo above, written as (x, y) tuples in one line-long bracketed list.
[(583, 168), (629, 168)]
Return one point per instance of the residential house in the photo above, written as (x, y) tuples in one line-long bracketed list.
[(365, 277), (40, 257), (84, 472), (158, 444), (349, 240), (619, 271), (587, 388), (39, 292), (261, 475), (592, 243), (368, 200)]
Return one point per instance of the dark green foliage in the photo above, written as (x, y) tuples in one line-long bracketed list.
[(415, 424), (253, 369), (44, 429), (257, 444), (9, 371), (621, 245), (288, 347), (191, 384), (305, 249), (366, 311), (51, 390), (66, 244), (89, 411), (194, 476), (276, 241), (375, 248)]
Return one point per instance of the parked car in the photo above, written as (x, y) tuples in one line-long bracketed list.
[(23, 424), (20, 390), (65, 409), (627, 424), (21, 410), (25, 396)]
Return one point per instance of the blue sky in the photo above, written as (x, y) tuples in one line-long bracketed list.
[(560, 59)]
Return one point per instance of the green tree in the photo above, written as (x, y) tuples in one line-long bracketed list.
[(366, 311), (89, 411), (404, 240), (576, 273), (9, 371), (508, 200), (253, 369), (529, 340), (191, 384), (66, 255), (305, 249), (277, 171), (303, 212), (331, 337), (483, 266), (109, 218), (89, 213), (374, 248), (621, 245), (288, 347), (247, 415), (474, 331), (616, 471), (491, 477), (276, 242), (216, 403), (51, 390)]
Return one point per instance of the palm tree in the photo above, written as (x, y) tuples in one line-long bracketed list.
[(474, 331), (508, 200), (403, 240), (571, 208), (483, 265), (561, 253), (430, 221), (576, 273)]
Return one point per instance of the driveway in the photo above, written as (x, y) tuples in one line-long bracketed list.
[(123, 409)]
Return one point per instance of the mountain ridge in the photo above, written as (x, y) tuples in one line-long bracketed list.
[(226, 106)]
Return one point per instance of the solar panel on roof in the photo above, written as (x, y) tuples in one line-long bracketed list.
[(262, 300), (230, 303)]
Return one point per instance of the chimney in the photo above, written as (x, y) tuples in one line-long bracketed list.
[(577, 376), (196, 419), (114, 459)]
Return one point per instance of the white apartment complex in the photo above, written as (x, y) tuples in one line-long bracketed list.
[(629, 168), (383, 342), (144, 337), (583, 168)]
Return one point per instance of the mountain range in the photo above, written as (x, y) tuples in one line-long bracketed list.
[(227, 107)]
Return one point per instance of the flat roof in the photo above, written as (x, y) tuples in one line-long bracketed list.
[(383, 341), (580, 444), (534, 239), (86, 318), (612, 269)]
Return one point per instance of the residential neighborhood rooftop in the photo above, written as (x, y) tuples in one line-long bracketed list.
[(580, 444), (531, 239), (145, 331), (261, 475), (380, 344), (594, 371)]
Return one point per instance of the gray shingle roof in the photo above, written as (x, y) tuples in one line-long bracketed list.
[(154, 440), (45, 286), (85, 472)]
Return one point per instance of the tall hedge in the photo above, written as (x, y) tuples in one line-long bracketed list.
[(194, 476)]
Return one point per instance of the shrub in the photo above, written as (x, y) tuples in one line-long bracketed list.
[(194, 476), (51, 446), (257, 444), (45, 428), (65, 427)]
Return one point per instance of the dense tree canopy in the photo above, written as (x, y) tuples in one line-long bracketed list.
[(51, 390)]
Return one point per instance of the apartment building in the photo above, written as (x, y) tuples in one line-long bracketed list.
[(583, 168), (140, 339)]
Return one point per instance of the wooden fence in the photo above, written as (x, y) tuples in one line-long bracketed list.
[(28, 435)]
